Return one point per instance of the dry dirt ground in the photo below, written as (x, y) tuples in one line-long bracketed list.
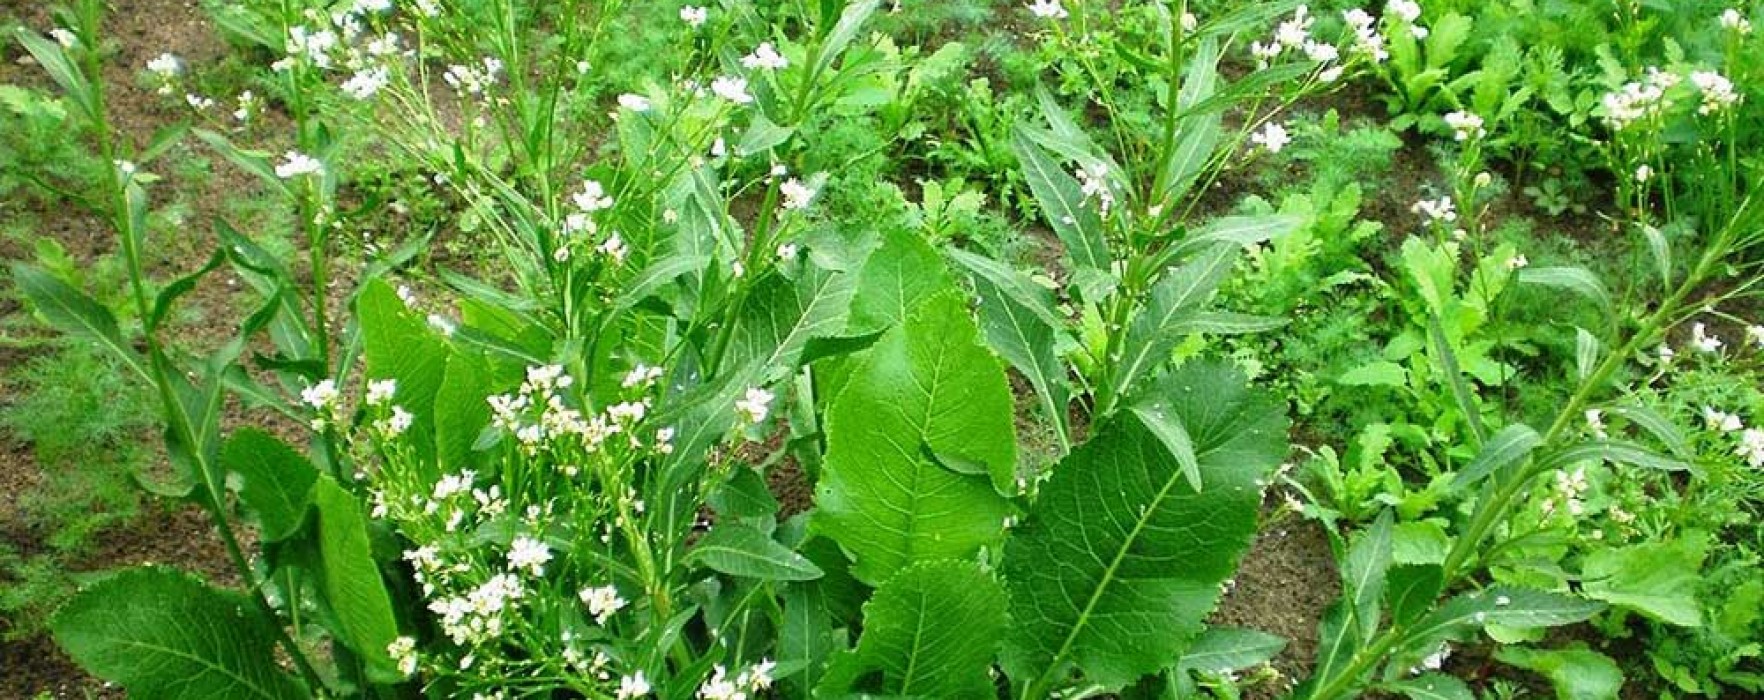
[(1285, 582)]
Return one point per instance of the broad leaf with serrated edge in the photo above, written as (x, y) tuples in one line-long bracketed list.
[(899, 275), (1121, 560), (916, 444), (930, 631), (162, 634)]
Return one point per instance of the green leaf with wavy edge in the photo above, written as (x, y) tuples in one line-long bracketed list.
[(930, 631), (1657, 579), (163, 634), (1578, 280), (783, 315), (740, 550), (1120, 560), (919, 445), (276, 481), (1228, 649), (351, 579)]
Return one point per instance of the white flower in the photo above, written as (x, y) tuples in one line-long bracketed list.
[(1718, 93), (1643, 173), (593, 197), (634, 102), (247, 106), (796, 195), (755, 405), (1732, 20), (632, 686), (198, 102), (295, 164), (1321, 52), (694, 16), (1265, 52), (530, 554), (1436, 210), (1518, 262), (787, 252), (1751, 447), (403, 652), (1406, 10), (367, 83), (764, 57), (365, 6), (758, 677), (1296, 31), (1465, 125), (602, 602), (1721, 420), (642, 374), (731, 88), (166, 66), (1047, 9), (320, 396), (1702, 340), (1272, 137), (1756, 333), (394, 425), (380, 391), (664, 441), (1094, 182), (614, 247), (1595, 421), (1190, 22), (720, 687), (64, 37)]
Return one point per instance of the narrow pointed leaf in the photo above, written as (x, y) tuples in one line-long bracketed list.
[(1160, 325), (740, 550), (1076, 222), (71, 311), (1506, 447)]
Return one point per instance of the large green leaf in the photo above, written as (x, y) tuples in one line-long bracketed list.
[(1076, 222), (931, 631), (899, 275), (1656, 579), (741, 550), (1121, 559), (162, 634), (919, 444), (783, 315), (351, 578), (276, 482)]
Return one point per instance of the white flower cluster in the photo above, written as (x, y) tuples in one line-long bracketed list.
[(1732, 20), (1717, 90), (694, 16), (1436, 211), (1294, 35), (539, 419), (1570, 487), (580, 225), (797, 195), (392, 419), (632, 686), (1093, 182), (473, 80), (603, 602), (764, 57), (1465, 125), (325, 402), (296, 164), (1272, 137), (754, 406), (476, 617), (165, 69), (1751, 440), (1367, 41), (1638, 100), (753, 680), (1048, 9)]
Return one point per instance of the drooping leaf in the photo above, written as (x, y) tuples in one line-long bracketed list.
[(916, 444), (1506, 447), (276, 481), (1432, 686), (162, 634), (930, 631), (1577, 673), (1574, 279), (72, 311), (1027, 341), (1033, 298), (1238, 231), (1120, 559), (899, 275), (740, 550), (351, 579), (1501, 605)]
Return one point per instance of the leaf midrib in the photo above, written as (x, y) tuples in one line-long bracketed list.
[(1109, 572)]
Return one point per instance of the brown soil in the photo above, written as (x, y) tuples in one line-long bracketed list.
[(1282, 587)]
